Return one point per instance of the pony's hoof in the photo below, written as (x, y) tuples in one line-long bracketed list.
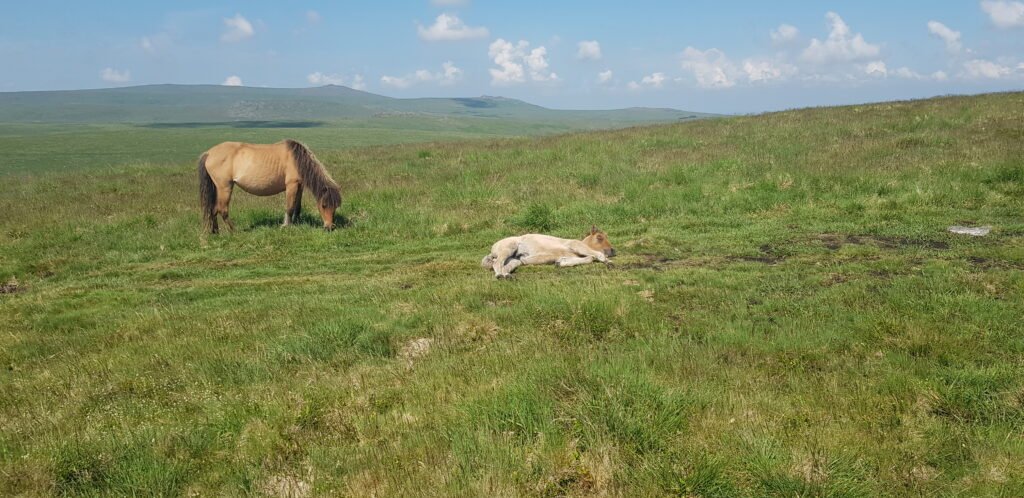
[(329, 228)]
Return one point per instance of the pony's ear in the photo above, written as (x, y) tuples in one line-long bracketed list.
[(593, 229)]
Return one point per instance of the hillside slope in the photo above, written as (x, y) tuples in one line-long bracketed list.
[(214, 103), (787, 316)]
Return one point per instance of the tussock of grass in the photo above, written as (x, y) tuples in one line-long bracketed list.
[(787, 317)]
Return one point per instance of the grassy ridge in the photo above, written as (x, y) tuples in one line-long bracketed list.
[(787, 316), (215, 103)]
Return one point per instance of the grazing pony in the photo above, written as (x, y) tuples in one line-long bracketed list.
[(535, 249), (264, 169)]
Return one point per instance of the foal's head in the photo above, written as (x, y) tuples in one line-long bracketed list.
[(598, 241)]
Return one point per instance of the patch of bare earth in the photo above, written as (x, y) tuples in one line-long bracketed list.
[(416, 348), (287, 486), (11, 286)]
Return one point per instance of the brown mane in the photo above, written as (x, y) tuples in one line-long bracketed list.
[(315, 176)]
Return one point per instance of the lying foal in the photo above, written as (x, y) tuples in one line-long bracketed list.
[(535, 249)]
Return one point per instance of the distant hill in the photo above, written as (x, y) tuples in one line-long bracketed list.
[(170, 104)]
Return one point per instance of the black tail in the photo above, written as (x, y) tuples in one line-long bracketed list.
[(207, 197)]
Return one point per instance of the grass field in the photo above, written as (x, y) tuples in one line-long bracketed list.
[(787, 316), (35, 148)]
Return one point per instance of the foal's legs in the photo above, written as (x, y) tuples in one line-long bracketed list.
[(501, 255), (570, 261), (293, 203), (524, 260), (512, 265), (223, 200)]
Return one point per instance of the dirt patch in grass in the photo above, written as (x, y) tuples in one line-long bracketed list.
[(648, 261), (768, 255), (834, 242), (287, 486), (12, 286), (983, 263), (414, 349)]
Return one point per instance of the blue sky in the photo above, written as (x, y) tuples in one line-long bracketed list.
[(700, 55)]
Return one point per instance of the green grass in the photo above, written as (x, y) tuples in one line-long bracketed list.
[(787, 316), (36, 148)]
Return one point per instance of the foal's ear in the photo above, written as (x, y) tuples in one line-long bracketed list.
[(593, 229)]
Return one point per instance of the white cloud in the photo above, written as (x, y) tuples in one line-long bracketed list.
[(876, 69), (449, 74), (448, 27), (840, 46), (154, 44), (1004, 14), (589, 50), (951, 37), (511, 60), (538, 63), (236, 29), (982, 69), (763, 70), (785, 33), (711, 67), (604, 76), (655, 80), (319, 78), (232, 81), (907, 74), (111, 75), (396, 81), (313, 17)]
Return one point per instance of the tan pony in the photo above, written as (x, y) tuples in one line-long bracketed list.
[(264, 169)]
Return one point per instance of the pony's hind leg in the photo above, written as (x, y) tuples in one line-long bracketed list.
[(293, 203), (223, 201)]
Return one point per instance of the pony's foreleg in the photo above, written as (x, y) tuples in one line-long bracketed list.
[(223, 201), (297, 207), (293, 203)]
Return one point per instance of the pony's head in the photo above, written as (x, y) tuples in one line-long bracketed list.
[(327, 205), (317, 180), (598, 241)]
